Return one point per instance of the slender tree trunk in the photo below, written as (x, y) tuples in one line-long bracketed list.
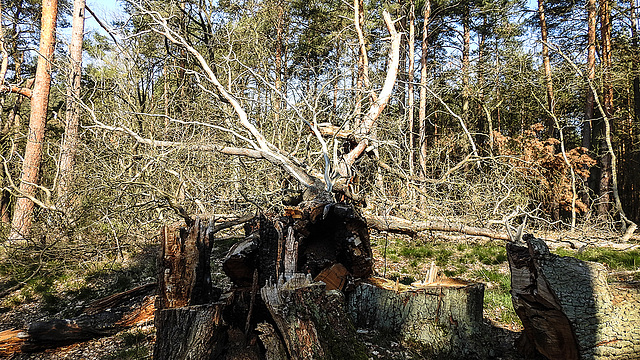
[(591, 73), (422, 113), (277, 101), (483, 122), (605, 161), (363, 61), (636, 58), (466, 47), (412, 50), (22, 216), (547, 67), (70, 140)]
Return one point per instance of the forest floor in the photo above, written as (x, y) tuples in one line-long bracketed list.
[(63, 294)]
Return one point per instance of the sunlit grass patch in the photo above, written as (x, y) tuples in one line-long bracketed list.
[(614, 259)]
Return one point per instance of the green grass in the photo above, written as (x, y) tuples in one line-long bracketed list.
[(614, 259)]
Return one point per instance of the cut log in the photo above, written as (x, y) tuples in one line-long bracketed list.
[(446, 319), (568, 309), (313, 321)]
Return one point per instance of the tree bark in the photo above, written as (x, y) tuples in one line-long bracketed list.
[(70, 141), (547, 67), (412, 43), (23, 212), (313, 322), (422, 112), (568, 309), (591, 74), (466, 49), (193, 332), (445, 319), (604, 190)]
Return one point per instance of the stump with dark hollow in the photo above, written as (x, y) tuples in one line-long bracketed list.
[(568, 309)]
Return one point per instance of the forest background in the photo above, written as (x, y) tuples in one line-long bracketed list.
[(497, 111)]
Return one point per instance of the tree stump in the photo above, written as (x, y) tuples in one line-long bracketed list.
[(188, 324), (313, 322), (446, 319), (568, 309)]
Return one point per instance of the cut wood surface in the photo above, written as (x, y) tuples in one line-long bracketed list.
[(568, 309)]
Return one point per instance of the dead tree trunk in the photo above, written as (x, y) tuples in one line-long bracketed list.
[(188, 324), (568, 309), (313, 321)]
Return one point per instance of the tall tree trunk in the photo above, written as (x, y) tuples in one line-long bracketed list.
[(605, 161), (483, 126), (547, 67), (466, 48), (277, 101), (412, 50), (363, 60), (636, 58), (422, 112), (70, 140), (23, 214), (591, 73)]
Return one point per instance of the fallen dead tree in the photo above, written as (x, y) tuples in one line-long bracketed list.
[(568, 309), (403, 226), (103, 317)]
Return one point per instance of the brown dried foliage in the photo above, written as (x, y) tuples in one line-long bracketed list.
[(546, 164)]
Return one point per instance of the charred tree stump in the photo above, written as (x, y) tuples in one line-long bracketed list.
[(568, 309), (444, 318), (313, 321), (188, 324), (314, 239)]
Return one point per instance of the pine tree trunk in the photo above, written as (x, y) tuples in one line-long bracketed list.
[(547, 67), (591, 73), (23, 212), (422, 112), (466, 49), (412, 50), (604, 190), (70, 140)]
